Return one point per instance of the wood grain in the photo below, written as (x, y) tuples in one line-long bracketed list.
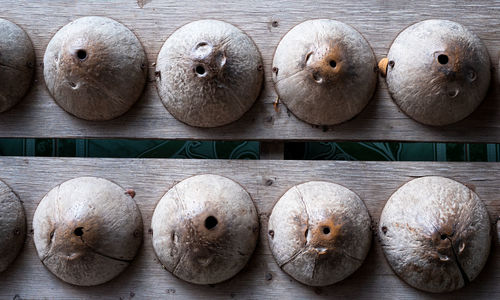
[(266, 181), (266, 22)]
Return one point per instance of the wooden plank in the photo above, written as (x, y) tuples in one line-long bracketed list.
[(266, 22), (266, 181)]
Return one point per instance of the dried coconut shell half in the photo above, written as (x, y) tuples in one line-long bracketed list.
[(208, 73), (17, 64), (205, 229), (438, 72), (95, 68), (12, 226), (319, 232), (324, 71), (435, 233), (87, 230)]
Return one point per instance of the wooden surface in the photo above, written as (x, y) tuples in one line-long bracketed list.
[(266, 181), (266, 22)]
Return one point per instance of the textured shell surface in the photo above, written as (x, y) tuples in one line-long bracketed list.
[(209, 73), (439, 72), (12, 226), (319, 232), (435, 233), (95, 68), (205, 229), (324, 71), (87, 230), (17, 64)]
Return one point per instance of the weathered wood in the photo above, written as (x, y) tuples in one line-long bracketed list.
[(266, 22), (266, 181)]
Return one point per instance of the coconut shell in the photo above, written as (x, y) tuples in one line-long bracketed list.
[(95, 68), (208, 73), (12, 225), (17, 64), (438, 72), (87, 230), (319, 232), (205, 229), (324, 71), (435, 233)]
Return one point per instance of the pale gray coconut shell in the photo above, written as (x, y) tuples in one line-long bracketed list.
[(95, 68), (324, 71), (209, 73), (205, 229), (17, 64), (87, 230), (319, 232), (435, 233), (438, 72), (12, 226)]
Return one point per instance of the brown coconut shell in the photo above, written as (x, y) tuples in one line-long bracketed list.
[(435, 233), (87, 230), (438, 72), (17, 64), (324, 71), (95, 68), (12, 226), (209, 73), (205, 229), (319, 232)]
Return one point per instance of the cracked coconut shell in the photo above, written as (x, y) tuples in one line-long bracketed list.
[(17, 64), (324, 71), (12, 226), (95, 68), (319, 232), (87, 230), (435, 233), (209, 73), (205, 229), (438, 72)]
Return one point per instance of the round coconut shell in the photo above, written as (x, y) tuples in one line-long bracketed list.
[(12, 226), (95, 68), (209, 73), (17, 64), (205, 229), (87, 230), (324, 71), (435, 233), (438, 72), (319, 232)]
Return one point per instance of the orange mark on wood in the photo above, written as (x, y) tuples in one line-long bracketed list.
[(131, 192), (382, 66), (275, 104)]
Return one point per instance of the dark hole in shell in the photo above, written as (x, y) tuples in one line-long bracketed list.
[(384, 229), (210, 222), (81, 54), (200, 70), (442, 59), (78, 231)]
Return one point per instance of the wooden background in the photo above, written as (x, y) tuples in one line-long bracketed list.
[(266, 22), (266, 181)]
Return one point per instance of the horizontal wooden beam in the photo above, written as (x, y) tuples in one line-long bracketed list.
[(266, 22), (266, 181)]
